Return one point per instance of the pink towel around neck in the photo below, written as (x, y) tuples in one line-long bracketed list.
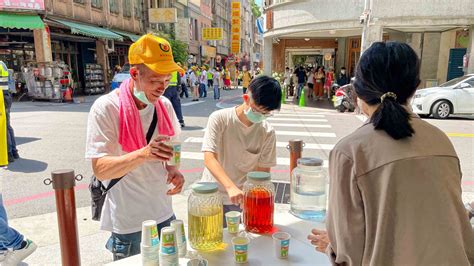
[(131, 134)]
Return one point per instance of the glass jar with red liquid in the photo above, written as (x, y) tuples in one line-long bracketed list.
[(259, 198)]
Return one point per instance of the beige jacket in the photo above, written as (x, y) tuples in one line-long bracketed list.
[(397, 202)]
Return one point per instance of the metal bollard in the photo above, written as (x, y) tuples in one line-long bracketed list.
[(63, 184), (296, 149)]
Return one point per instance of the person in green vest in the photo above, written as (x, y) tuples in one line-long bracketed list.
[(173, 95), (210, 76)]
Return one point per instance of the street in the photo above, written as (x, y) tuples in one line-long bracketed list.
[(51, 136)]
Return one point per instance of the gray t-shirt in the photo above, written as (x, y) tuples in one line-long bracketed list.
[(240, 149)]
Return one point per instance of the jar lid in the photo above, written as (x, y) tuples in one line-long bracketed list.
[(259, 176), (310, 161), (204, 187)]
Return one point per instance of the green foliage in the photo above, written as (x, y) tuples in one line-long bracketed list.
[(180, 48), (255, 9)]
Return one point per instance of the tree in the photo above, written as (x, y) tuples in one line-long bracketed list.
[(255, 9)]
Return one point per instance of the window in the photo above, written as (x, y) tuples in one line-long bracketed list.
[(114, 6), (97, 3), (79, 1), (127, 8), (470, 82), (138, 8)]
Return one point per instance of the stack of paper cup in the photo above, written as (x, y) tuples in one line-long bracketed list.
[(150, 243), (178, 226), (168, 247)]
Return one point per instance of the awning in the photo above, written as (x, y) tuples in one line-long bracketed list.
[(91, 31), (21, 21), (129, 35)]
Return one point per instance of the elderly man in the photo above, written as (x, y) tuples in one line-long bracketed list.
[(116, 144)]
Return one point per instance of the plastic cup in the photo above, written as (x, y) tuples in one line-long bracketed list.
[(281, 241), (178, 226), (233, 221), (176, 159), (150, 255), (168, 241), (150, 234), (241, 245)]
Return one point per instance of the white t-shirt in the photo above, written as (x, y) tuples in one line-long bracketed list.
[(311, 78), (203, 78), (141, 194), (240, 149)]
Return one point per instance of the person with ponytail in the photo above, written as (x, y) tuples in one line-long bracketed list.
[(395, 183)]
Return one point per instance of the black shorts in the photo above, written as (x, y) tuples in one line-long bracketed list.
[(310, 85)]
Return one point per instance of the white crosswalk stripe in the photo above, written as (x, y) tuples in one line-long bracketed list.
[(305, 134), (298, 115), (298, 119), (200, 156), (309, 146), (300, 125)]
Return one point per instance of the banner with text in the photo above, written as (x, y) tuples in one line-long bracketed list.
[(235, 27), (212, 34)]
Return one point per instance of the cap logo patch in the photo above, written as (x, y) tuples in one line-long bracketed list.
[(164, 47)]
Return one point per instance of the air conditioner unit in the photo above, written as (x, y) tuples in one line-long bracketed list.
[(110, 46)]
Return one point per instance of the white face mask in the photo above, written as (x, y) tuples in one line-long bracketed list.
[(343, 72)]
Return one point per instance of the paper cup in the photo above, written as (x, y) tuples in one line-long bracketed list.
[(176, 159), (150, 255), (178, 226), (241, 245), (150, 234), (168, 244), (233, 221), (198, 262), (281, 242), (169, 260)]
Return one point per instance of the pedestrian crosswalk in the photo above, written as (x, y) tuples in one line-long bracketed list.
[(313, 128)]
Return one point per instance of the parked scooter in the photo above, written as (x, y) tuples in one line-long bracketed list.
[(344, 99)]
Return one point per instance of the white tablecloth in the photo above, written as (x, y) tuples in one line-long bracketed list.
[(261, 250)]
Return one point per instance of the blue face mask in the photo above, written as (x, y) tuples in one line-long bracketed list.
[(254, 117), (140, 95)]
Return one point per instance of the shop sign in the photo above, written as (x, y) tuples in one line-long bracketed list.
[(235, 27), (182, 30), (163, 15), (208, 51), (22, 4), (212, 34)]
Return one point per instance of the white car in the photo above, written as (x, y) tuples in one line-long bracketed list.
[(121, 76), (453, 97)]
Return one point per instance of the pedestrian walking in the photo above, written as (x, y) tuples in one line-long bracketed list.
[(216, 76), (318, 83), (246, 79), (395, 183), (194, 83), (184, 84), (203, 83), (172, 94), (7, 84), (210, 79), (118, 149), (311, 83), (328, 81), (226, 79), (301, 77), (253, 141), (14, 247)]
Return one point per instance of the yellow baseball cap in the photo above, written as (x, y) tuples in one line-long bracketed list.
[(155, 53)]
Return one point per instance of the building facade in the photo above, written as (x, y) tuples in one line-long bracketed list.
[(334, 33)]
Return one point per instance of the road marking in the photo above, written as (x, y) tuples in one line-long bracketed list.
[(305, 134), (293, 119), (200, 156), (193, 103), (461, 135), (300, 125), (309, 146), (299, 115)]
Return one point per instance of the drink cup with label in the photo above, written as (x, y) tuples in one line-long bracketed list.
[(178, 226), (281, 242), (233, 221), (168, 241), (176, 159), (150, 234), (241, 245)]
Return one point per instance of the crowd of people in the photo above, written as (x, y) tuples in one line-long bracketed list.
[(318, 81)]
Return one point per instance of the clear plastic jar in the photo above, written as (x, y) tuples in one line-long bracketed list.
[(308, 195), (205, 217), (259, 198)]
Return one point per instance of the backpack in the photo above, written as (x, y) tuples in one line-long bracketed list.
[(97, 188)]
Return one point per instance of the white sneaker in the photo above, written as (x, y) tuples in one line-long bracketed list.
[(14, 257)]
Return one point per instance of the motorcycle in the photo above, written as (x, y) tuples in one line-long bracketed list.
[(344, 99)]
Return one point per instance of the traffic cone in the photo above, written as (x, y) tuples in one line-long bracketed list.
[(68, 95), (302, 101)]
